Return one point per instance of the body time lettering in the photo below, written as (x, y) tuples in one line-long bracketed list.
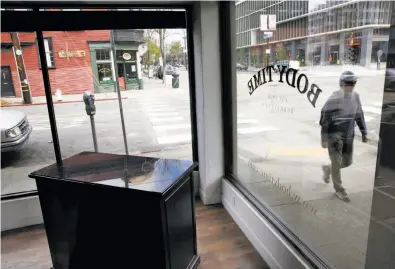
[(289, 75)]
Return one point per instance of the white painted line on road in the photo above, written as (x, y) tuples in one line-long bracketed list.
[(40, 128), (162, 114), (155, 106), (367, 119), (174, 139), (173, 119), (380, 104), (172, 127), (150, 103), (371, 109), (158, 109), (252, 130), (247, 121)]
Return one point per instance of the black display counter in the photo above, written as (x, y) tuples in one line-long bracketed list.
[(116, 211)]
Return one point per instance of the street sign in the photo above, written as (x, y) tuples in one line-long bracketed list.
[(267, 35)]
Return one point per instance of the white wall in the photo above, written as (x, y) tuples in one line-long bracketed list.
[(270, 244), (208, 100), (20, 213)]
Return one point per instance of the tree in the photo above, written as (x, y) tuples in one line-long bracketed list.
[(176, 49), (152, 52), (281, 53), (241, 56), (162, 36)]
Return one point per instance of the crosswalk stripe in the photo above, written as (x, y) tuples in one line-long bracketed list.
[(159, 109), (367, 119), (172, 119), (251, 130), (174, 139), (371, 109), (155, 106), (247, 121), (379, 104), (162, 114), (172, 127)]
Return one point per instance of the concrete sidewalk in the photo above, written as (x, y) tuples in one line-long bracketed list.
[(152, 87), (70, 98)]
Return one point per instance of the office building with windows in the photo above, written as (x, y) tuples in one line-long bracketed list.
[(333, 32)]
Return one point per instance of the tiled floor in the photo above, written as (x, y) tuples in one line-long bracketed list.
[(221, 244)]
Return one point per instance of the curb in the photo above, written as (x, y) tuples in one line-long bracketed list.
[(59, 102)]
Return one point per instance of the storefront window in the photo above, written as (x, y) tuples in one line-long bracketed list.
[(103, 54), (156, 114), (105, 72), (308, 130)]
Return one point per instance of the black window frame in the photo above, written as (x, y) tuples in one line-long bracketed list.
[(163, 16)]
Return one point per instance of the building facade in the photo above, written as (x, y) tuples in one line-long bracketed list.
[(82, 60), (333, 32)]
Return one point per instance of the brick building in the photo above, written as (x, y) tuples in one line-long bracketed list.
[(77, 61)]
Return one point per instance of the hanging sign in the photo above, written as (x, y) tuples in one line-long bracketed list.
[(272, 22), (126, 56), (264, 23)]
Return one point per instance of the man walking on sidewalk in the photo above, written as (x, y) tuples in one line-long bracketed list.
[(338, 117)]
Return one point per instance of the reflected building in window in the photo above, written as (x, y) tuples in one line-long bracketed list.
[(314, 32)]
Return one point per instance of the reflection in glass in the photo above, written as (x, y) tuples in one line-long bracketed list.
[(289, 154)]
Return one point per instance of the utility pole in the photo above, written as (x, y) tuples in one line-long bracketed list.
[(163, 52), (20, 65), (268, 49), (185, 50)]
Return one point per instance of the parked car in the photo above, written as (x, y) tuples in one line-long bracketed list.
[(15, 130), (389, 83), (240, 66), (170, 70)]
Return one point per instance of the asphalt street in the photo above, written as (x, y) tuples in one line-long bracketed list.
[(277, 130)]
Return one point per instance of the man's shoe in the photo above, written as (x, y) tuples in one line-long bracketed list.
[(342, 195), (327, 173)]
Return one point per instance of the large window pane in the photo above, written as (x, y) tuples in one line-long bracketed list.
[(306, 144), (25, 131), (156, 113)]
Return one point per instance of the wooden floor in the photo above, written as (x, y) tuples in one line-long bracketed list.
[(221, 244)]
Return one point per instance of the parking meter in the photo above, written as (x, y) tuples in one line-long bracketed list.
[(89, 100)]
